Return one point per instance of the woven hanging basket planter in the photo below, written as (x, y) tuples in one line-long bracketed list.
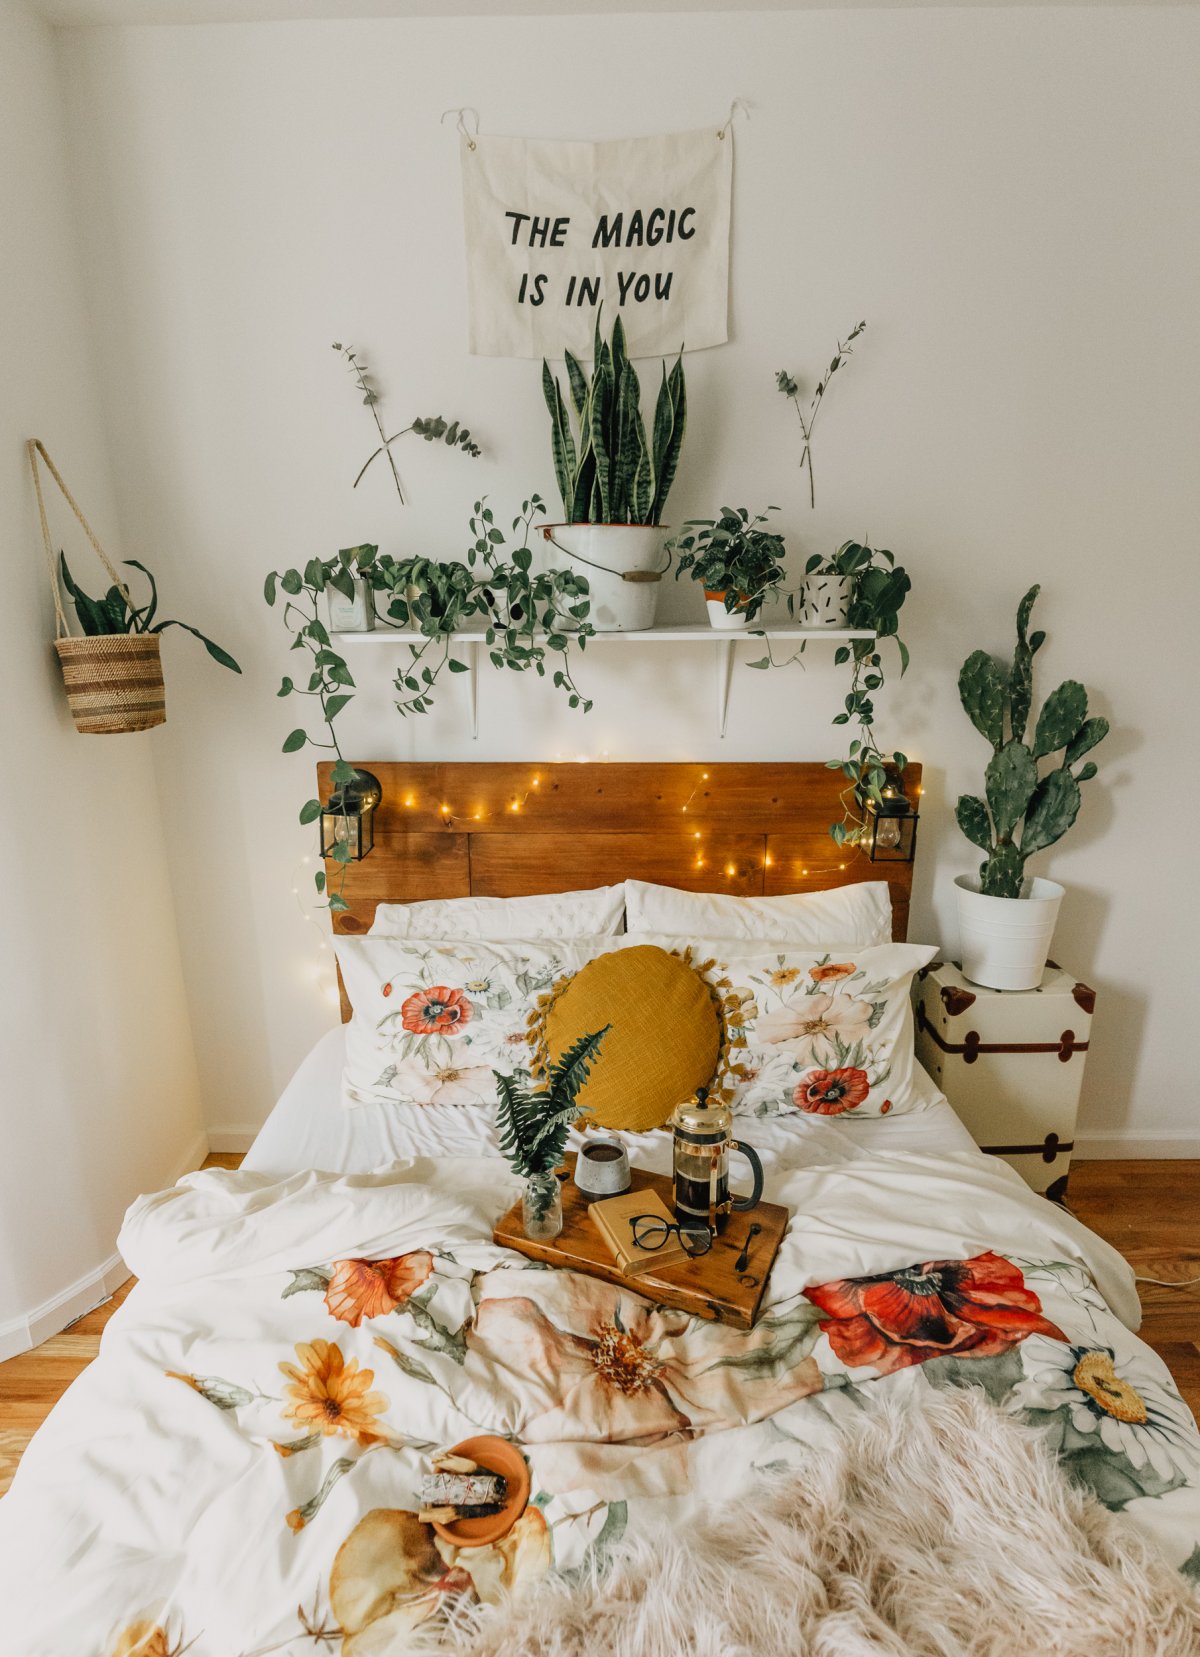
[(114, 682)]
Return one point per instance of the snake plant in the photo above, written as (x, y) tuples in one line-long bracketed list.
[(608, 471), (998, 704)]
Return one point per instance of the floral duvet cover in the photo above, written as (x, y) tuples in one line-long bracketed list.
[(236, 1473)]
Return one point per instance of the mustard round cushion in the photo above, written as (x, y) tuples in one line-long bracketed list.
[(663, 1043)]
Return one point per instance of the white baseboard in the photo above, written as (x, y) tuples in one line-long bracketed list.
[(1155, 1144), (231, 1138), (19, 1334)]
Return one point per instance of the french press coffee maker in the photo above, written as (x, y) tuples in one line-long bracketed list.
[(703, 1142)]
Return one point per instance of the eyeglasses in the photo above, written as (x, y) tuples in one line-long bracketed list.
[(649, 1232)]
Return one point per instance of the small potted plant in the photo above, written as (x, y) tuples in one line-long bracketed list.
[(533, 1131), (736, 561), (828, 588), (1006, 917), (113, 674), (614, 479)]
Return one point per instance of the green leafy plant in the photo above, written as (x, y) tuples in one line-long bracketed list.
[(532, 619), (116, 613), (526, 620), (608, 471), (534, 1124), (732, 555), (879, 587), (1020, 796), (791, 389), (431, 427)]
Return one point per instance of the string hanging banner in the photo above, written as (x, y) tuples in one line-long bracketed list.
[(555, 230)]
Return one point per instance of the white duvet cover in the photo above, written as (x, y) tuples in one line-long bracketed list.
[(236, 1472)]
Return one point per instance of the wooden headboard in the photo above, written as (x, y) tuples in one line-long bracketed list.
[(505, 830)]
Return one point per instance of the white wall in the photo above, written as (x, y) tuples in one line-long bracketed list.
[(1009, 197), (99, 1096)]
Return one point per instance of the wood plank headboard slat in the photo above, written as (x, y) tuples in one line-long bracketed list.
[(508, 829)]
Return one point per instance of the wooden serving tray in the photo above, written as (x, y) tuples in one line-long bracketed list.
[(707, 1288)]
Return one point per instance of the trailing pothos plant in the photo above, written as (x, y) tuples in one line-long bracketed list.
[(526, 620), (879, 587)]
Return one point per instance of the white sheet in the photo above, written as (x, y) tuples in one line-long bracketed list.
[(309, 1128)]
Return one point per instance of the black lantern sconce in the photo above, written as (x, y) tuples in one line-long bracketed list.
[(349, 818), (889, 831)]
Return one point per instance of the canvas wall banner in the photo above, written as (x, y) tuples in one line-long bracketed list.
[(555, 230)]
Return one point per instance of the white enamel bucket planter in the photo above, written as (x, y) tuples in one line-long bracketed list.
[(624, 566), (1005, 941)]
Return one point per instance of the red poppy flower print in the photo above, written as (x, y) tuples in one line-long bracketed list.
[(436, 1012), (385, 989), (944, 1308), (830, 1092)]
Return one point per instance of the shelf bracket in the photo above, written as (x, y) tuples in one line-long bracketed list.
[(724, 666), (472, 655)]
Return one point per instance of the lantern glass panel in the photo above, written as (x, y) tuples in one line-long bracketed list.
[(891, 835), (339, 829)]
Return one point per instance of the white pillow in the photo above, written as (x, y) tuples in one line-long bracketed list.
[(857, 914), (828, 1032), (434, 1017), (597, 912)]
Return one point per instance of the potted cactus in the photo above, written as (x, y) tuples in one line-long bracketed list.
[(614, 479), (1006, 917)]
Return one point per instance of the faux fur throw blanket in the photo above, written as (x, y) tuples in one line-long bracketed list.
[(944, 1530)]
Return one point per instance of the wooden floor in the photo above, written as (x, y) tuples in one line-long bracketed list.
[(1150, 1211)]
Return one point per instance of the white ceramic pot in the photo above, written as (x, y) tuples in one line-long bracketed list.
[(826, 601), (1005, 941), (725, 621), (351, 615), (624, 565)]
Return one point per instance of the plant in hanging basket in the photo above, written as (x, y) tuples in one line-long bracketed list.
[(113, 674), (733, 557)]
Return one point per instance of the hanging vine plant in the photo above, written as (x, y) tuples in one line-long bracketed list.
[(879, 587), (526, 620)]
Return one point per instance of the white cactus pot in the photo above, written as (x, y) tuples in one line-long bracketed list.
[(1005, 941), (826, 601)]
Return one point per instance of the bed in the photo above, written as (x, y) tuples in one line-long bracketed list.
[(941, 1436)]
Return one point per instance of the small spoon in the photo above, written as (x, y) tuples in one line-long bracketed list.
[(743, 1259)]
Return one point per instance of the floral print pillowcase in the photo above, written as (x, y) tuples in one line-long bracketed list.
[(827, 1032), (434, 1018)]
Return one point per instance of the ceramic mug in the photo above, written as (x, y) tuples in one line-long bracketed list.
[(602, 1169)]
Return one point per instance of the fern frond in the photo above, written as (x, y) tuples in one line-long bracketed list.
[(534, 1126)]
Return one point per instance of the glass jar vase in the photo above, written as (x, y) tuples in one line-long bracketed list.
[(541, 1208)]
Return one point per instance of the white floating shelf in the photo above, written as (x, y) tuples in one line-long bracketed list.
[(680, 633)]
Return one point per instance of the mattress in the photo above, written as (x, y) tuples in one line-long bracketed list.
[(310, 1129)]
